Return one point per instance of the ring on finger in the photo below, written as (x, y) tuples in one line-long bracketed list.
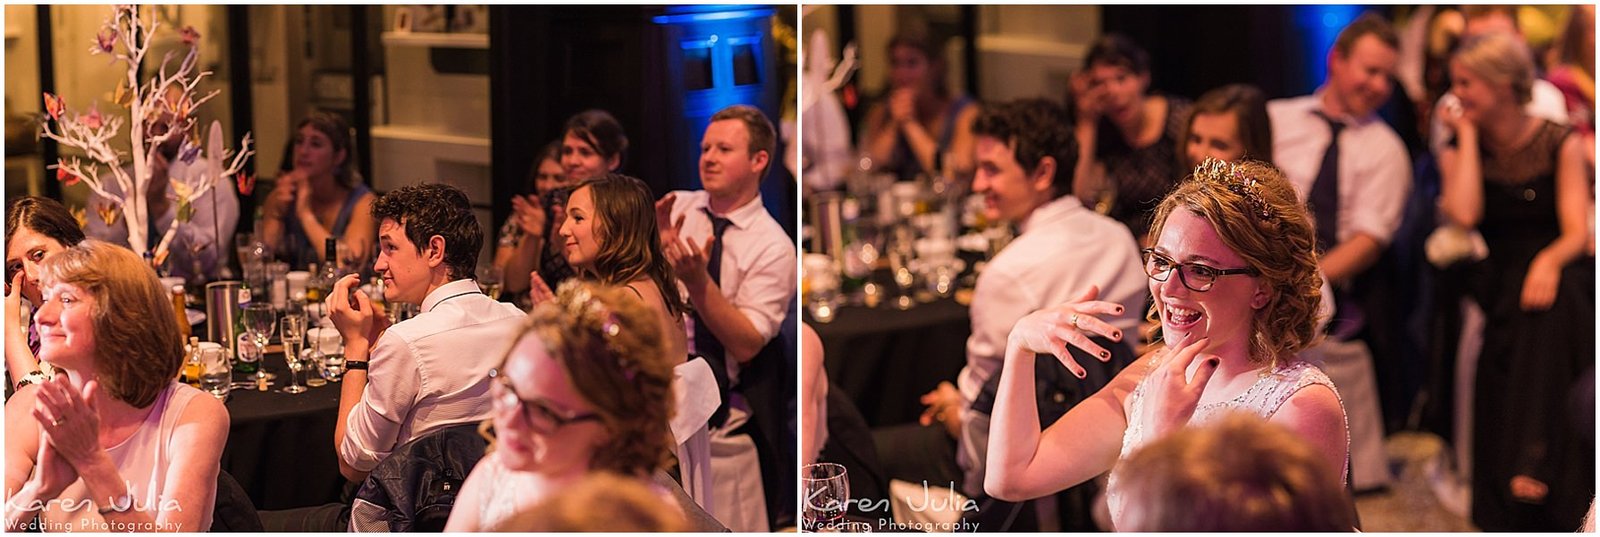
[(58, 421), (1074, 320)]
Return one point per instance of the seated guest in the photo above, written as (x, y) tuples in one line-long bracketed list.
[(1545, 100), (1238, 474), (585, 386), (113, 442), (1026, 157), (429, 371), (593, 144), (1520, 181), (36, 228), (530, 221), (199, 248), (1127, 136), (322, 196), (919, 123), (601, 502), (1228, 123), (1234, 274), (610, 236)]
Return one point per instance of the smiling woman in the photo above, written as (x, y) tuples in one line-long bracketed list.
[(36, 228), (1242, 305), (118, 389)]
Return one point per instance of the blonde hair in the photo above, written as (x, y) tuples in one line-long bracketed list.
[(610, 347), (1238, 474), (1256, 213), (601, 502), (1500, 59), (137, 346)]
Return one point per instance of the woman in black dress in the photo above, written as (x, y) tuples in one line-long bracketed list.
[(1519, 181)]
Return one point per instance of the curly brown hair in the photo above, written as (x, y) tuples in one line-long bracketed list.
[(630, 244), (1256, 213), (138, 348), (610, 347)]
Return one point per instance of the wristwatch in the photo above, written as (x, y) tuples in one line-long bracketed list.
[(358, 364)]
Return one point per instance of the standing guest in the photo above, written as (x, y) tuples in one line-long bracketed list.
[(1520, 181), (585, 386), (1127, 136), (36, 228), (1228, 123), (1239, 474), (1233, 271), (114, 442), (429, 371), (592, 145), (322, 196), (1354, 172), (1026, 156), (737, 267), (610, 237), (199, 248), (919, 123)]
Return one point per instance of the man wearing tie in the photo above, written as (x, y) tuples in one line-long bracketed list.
[(737, 266), (1355, 174)]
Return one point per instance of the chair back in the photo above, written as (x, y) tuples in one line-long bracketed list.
[(414, 489)]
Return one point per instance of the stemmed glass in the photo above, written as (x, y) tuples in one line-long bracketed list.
[(291, 329), (827, 494), (900, 256), (259, 320)]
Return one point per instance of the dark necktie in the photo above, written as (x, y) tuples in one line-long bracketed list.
[(704, 341), (1324, 196)]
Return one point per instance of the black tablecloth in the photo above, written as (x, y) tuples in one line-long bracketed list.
[(280, 445), (886, 358)]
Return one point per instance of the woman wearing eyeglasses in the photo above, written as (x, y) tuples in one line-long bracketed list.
[(585, 387), (1237, 292)]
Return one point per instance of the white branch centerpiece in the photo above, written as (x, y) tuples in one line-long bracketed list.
[(161, 109)]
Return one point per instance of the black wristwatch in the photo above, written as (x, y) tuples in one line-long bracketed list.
[(362, 365)]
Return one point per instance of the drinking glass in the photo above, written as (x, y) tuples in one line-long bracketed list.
[(827, 494), (489, 278), (216, 374), (901, 253), (249, 353), (291, 329), (259, 320)]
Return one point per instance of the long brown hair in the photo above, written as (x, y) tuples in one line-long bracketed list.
[(137, 347), (1249, 108), (630, 242)]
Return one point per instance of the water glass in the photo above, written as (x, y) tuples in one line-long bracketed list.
[(216, 374), (826, 490)]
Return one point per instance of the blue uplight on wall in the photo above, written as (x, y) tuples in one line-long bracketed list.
[(1318, 27)]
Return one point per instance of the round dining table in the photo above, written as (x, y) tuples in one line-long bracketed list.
[(280, 445)]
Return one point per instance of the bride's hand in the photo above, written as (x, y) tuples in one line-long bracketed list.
[(1172, 396), (1050, 330)]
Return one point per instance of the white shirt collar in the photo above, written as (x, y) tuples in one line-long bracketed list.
[(449, 290), (1348, 120), (1054, 210), (743, 216)]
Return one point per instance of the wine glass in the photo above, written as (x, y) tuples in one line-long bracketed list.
[(259, 321), (827, 494), (291, 329), (900, 257), (249, 355)]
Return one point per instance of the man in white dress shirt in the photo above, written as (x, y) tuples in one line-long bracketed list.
[(1354, 173), (1026, 154), (429, 371), (737, 267)]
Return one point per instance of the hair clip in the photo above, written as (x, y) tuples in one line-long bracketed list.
[(1228, 175), (584, 303)]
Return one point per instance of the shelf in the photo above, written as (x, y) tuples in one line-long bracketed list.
[(435, 39), (414, 134)]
